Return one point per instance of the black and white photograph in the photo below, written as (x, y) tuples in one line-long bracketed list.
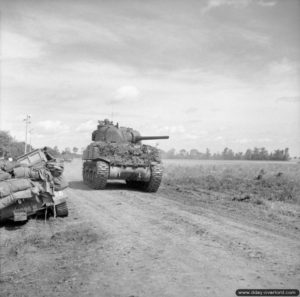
[(149, 148)]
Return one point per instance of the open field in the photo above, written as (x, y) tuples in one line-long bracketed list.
[(236, 186), (212, 228)]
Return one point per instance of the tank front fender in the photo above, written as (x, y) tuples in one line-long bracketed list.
[(130, 173)]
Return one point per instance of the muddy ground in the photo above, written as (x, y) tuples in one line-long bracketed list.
[(120, 242)]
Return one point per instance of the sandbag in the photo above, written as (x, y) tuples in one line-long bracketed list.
[(8, 187), (10, 199), (60, 183), (25, 172), (10, 165), (4, 175)]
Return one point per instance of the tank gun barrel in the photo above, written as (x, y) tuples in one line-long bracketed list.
[(139, 138)]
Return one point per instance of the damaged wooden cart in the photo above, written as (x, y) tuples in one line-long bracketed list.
[(31, 186)]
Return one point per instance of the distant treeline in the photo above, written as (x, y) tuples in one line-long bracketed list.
[(10, 147), (228, 154)]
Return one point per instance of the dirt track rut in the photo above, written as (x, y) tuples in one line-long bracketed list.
[(154, 246)]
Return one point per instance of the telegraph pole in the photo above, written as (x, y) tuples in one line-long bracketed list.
[(30, 133), (27, 122)]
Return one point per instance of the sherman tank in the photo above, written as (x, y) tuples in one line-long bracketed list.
[(117, 153)]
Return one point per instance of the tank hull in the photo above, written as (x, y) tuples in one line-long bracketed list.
[(96, 174), (137, 164)]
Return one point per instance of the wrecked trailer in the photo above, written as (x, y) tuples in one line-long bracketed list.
[(34, 185)]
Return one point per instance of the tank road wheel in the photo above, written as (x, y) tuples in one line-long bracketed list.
[(94, 178), (101, 175), (62, 210), (156, 175), (90, 176)]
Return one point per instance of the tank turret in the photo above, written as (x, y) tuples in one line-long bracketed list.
[(117, 153), (107, 131)]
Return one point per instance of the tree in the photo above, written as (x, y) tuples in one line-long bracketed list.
[(5, 141), (286, 154), (67, 150), (207, 154), (194, 153), (170, 154), (75, 150), (248, 154), (183, 153), (56, 150), (9, 147)]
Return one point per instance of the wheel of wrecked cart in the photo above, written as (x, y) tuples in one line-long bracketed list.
[(156, 175), (101, 175), (62, 210)]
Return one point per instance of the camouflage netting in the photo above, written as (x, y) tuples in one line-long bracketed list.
[(123, 154)]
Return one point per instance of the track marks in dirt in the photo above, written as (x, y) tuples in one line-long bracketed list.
[(151, 235)]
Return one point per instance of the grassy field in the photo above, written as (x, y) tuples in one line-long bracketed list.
[(269, 190), (267, 180)]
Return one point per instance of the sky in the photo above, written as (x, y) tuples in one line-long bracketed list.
[(211, 74)]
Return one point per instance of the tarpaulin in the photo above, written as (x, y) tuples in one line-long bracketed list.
[(12, 198), (60, 183), (10, 186), (25, 172), (4, 175)]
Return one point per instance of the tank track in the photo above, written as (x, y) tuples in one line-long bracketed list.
[(153, 184), (100, 175), (95, 174)]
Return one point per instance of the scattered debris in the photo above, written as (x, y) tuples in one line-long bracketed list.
[(260, 175), (245, 198)]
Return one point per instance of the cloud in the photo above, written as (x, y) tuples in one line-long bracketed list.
[(191, 136), (126, 94), (283, 67), (266, 3), (173, 129), (289, 99), (49, 126), (191, 110), (87, 126), (16, 46), (212, 4), (243, 140)]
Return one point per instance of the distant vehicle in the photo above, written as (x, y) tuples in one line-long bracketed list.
[(24, 208), (117, 153)]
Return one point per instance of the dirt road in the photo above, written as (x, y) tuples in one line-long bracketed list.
[(119, 242)]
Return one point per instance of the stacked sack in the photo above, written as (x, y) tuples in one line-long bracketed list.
[(4, 175), (18, 181), (13, 189)]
